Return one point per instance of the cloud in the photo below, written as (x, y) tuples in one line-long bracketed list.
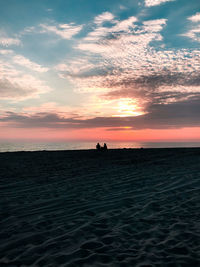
[(25, 62), (124, 26), (124, 34), (159, 116), (156, 83), (104, 17), (126, 64), (52, 108), (150, 3), (14, 90), (20, 88), (153, 25), (6, 51), (131, 55), (194, 33), (18, 85), (65, 31), (5, 41), (82, 111), (28, 30), (129, 60), (75, 67), (195, 18)]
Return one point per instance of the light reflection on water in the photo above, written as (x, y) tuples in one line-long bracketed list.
[(10, 147)]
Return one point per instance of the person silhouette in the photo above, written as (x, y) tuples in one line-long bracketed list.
[(98, 147), (105, 146)]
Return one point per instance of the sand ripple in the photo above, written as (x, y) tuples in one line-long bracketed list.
[(84, 208)]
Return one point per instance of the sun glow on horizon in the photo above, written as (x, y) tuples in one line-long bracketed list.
[(127, 107)]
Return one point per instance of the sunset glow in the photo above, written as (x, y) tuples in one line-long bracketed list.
[(126, 107)]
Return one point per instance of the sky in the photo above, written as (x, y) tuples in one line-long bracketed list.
[(123, 70)]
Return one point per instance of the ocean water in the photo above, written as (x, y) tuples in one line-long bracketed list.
[(16, 146)]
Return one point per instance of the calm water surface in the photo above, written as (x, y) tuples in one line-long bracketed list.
[(11, 147)]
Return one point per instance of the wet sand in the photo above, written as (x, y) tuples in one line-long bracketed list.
[(126, 207)]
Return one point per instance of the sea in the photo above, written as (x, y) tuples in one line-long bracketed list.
[(52, 146)]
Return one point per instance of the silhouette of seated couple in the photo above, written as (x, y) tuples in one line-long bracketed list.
[(104, 147)]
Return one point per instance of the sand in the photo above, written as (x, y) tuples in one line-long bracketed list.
[(128, 207)]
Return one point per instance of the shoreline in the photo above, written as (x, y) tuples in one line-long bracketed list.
[(62, 146), (109, 149)]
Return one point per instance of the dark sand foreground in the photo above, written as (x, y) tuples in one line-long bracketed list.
[(93, 208)]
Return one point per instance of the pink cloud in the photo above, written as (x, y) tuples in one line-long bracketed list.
[(106, 16), (195, 18), (65, 31), (150, 3), (23, 61)]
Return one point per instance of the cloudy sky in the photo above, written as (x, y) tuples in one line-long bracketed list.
[(100, 70)]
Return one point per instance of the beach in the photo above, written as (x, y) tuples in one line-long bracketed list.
[(121, 207)]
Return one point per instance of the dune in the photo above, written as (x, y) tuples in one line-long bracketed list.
[(121, 207)]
